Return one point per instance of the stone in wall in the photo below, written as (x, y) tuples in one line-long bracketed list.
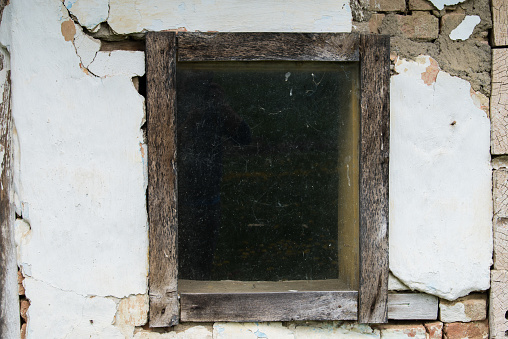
[(476, 330), (387, 5), (440, 183), (421, 26), (420, 5), (469, 308), (415, 331), (434, 329)]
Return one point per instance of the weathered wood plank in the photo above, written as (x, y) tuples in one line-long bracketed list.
[(499, 102), (267, 46), (9, 299), (374, 153), (500, 197), (500, 22), (277, 306), (498, 305), (412, 306), (162, 194)]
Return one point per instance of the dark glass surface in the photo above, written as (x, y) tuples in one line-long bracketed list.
[(260, 145)]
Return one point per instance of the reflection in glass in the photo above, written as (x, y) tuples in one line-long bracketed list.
[(266, 153)]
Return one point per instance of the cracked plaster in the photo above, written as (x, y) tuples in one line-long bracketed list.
[(130, 16), (80, 172), (84, 141)]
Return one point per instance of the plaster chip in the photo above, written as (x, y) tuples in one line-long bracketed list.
[(440, 4), (54, 313), (464, 30), (129, 16), (90, 13), (86, 46), (128, 63), (78, 162), (395, 284), (440, 184)]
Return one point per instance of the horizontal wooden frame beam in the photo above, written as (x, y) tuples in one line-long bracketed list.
[(268, 46), (289, 306), (269, 306)]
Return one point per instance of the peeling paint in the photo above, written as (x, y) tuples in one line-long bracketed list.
[(68, 30), (464, 30), (431, 72)]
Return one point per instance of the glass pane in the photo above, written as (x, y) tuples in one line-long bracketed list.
[(267, 170)]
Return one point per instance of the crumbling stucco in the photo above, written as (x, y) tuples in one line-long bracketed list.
[(81, 173)]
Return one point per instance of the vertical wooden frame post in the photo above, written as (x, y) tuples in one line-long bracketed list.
[(162, 184), (374, 158)]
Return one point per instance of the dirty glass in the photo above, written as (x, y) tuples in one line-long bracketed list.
[(267, 169)]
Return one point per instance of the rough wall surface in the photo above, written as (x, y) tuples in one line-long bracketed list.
[(440, 182), (80, 173)]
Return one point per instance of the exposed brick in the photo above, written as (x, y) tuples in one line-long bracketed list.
[(469, 308), (450, 21), (415, 331), (420, 5), (434, 329), (426, 26), (375, 22), (23, 308), (23, 331), (21, 289), (421, 26), (473, 330), (387, 5)]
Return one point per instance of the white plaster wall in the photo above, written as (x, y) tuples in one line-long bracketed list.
[(81, 177), (440, 182)]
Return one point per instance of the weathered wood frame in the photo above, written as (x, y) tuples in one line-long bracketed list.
[(369, 303)]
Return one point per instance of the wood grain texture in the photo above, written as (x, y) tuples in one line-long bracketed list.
[(276, 306), (498, 304), (500, 197), (267, 46), (500, 22), (499, 102), (162, 190), (9, 299), (374, 155), (412, 306)]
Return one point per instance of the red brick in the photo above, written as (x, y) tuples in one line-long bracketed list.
[(473, 330), (434, 329)]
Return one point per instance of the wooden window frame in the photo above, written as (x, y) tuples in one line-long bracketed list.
[(369, 303)]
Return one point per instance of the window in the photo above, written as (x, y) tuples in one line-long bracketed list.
[(334, 87)]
